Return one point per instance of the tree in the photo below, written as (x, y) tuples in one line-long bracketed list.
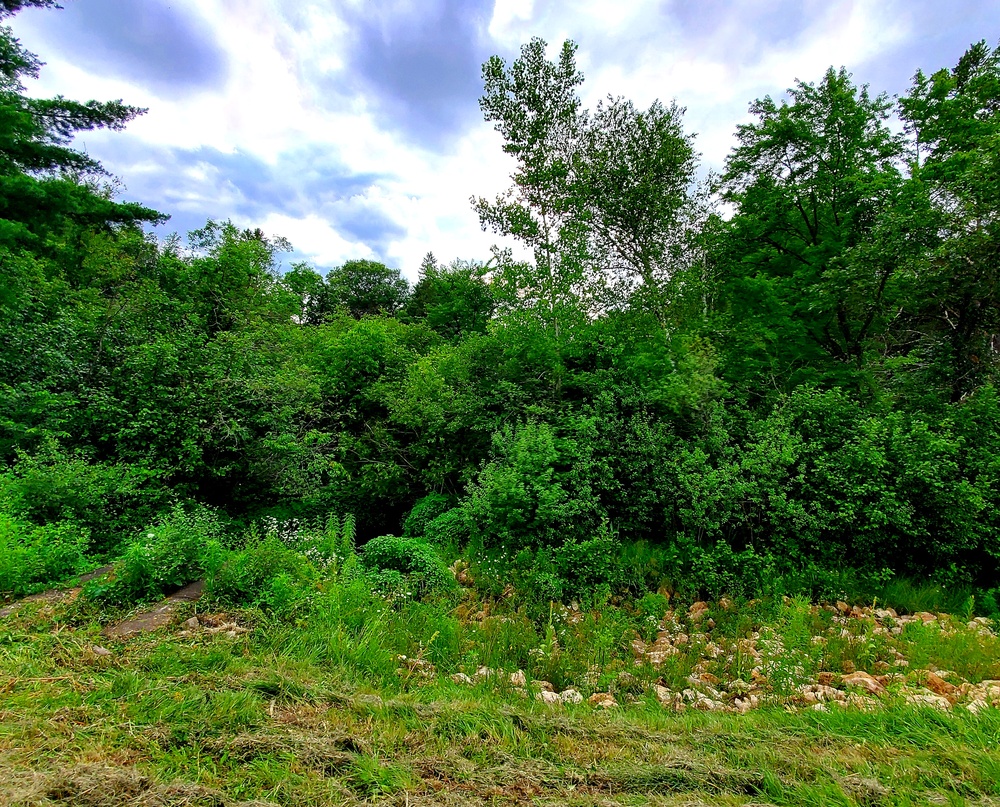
[(953, 310), (599, 197), (366, 288), (452, 300), (45, 185), (810, 180)]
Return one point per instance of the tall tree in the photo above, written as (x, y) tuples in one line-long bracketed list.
[(810, 179), (953, 311), (600, 198), (366, 287)]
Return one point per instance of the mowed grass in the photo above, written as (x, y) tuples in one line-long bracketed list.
[(266, 717)]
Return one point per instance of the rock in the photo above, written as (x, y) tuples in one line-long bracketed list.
[(706, 704), (864, 681), (977, 706), (843, 607), (933, 701), (518, 679), (848, 666), (936, 684), (925, 617), (697, 612), (548, 697), (663, 695), (570, 696), (819, 707), (100, 651), (708, 678), (192, 624), (826, 678), (639, 647), (602, 700), (882, 667), (544, 686), (483, 673), (462, 678)]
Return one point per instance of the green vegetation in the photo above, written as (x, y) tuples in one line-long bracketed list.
[(416, 510)]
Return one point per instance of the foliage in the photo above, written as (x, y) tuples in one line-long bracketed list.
[(798, 397), (425, 510), (31, 556), (412, 558), (171, 553)]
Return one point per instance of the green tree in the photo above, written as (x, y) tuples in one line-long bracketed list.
[(454, 300), (954, 289), (366, 287), (809, 179)]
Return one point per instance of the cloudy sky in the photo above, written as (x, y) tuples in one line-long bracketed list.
[(352, 127)]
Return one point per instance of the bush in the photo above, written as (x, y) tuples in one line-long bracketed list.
[(411, 557), (172, 553), (265, 573), (423, 513), (533, 494), (109, 501), (32, 556), (449, 530)]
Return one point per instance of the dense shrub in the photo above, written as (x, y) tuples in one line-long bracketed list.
[(412, 558), (449, 530), (175, 551), (109, 501), (265, 572), (532, 494), (426, 510), (31, 556)]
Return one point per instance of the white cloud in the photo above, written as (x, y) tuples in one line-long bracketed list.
[(288, 90)]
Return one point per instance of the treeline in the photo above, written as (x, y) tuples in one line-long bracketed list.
[(780, 377)]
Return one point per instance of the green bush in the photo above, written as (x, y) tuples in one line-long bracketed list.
[(411, 557), (176, 551), (32, 556), (533, 494), (108, 500), (267, 573), (426, 510), (449, 530)]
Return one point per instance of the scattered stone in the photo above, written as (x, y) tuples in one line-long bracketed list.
[(483, 673), (934, 701), (697, 612), (544, 686), (864, 681), (936, 684), (602, 700), (548, 697), (663, 695), (97, 650), (570, 696), (518, 679), (462, 678)]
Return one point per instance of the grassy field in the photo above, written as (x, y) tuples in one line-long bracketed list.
[(236, 709)]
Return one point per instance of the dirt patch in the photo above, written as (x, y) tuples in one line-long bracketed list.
[(54, 595), (159, 616), (104, 786)]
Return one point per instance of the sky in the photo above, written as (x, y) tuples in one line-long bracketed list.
[(352, 127)]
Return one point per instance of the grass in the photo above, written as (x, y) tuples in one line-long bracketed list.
[(322, 713)]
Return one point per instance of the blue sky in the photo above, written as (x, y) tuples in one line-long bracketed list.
[(352, 127)]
